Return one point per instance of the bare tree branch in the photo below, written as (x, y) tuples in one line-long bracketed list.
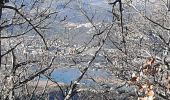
[(37, 73), (15, 9), (10, 50)]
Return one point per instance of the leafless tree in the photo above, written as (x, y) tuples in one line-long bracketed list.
[(137, 35), (134, 43), (24, 48)]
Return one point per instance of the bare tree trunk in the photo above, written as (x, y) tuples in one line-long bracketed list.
[(11, 90), (168, 5), (1, 3)]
